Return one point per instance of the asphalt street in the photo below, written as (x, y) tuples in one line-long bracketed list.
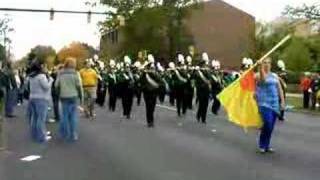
[(114, 148)]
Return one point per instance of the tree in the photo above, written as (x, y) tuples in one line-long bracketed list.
[(311, 12), (314, 47), (91, 49), (76, 50), (44, 54), (267, 35), (2, 53), (5, 29), (297, 55), (160, 22)]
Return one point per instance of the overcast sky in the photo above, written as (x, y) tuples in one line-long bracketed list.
[(32, 29)]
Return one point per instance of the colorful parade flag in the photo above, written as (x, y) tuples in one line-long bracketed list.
[(239, 101)]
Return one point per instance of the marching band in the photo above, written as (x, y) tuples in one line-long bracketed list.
[(183, 83)]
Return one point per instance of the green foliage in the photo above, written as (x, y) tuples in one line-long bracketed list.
[(153, 25), (311, 12), (293, 77), (42, 52), (2, 53), (146, 30), (91, 49), (297, 56), (269, 35), (300, 53)]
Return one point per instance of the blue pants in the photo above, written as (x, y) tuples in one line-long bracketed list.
[(269, 118), (11, 101), (37, 118), (68, 126)]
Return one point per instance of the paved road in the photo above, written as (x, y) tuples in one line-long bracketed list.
[(176, 149)]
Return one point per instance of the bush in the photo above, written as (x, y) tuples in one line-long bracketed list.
[(293, 77), (297, 56)]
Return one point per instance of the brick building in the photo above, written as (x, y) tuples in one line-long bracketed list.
[(223, 31)]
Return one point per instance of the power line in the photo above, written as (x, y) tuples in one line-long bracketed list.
[(52, 10)]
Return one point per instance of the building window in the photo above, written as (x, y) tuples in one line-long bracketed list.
[(113, 36)]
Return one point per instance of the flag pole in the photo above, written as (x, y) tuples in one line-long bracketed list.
[(285, 39), (280, 43)]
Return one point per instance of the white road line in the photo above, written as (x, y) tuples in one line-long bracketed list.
[(166, 107)]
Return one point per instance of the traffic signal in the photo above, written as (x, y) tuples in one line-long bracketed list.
[(51, 14), (89, 17)]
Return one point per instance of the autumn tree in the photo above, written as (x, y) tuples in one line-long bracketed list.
[(76, 50)]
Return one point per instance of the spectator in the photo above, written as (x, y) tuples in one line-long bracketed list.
[(69, 90), (305, 88), (315, 90), (54, 94), (3, 87), (89, 81), (21, 77), (11, 92), (40, 88)]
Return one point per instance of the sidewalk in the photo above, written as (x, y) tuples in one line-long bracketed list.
[(294, 95)]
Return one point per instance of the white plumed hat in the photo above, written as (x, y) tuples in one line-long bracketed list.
[(205, 57), (151, 58)]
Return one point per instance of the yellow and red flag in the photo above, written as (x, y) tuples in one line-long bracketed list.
[(240, 103), (239, 99)]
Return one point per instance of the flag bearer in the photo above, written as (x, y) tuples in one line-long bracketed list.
[(270, 100)]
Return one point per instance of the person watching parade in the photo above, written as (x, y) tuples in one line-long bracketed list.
[(89, 79), (40, 90), (69, 89)]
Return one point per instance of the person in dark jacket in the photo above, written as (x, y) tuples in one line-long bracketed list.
[(126, 80), (111, 80), (11, 92), (217, 86), (151, 82), (203, 88)]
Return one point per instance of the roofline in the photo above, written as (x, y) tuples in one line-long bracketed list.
[(230, 5)]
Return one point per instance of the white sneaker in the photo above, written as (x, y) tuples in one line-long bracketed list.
[(51, 120), (48, 138), (48, 133)]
